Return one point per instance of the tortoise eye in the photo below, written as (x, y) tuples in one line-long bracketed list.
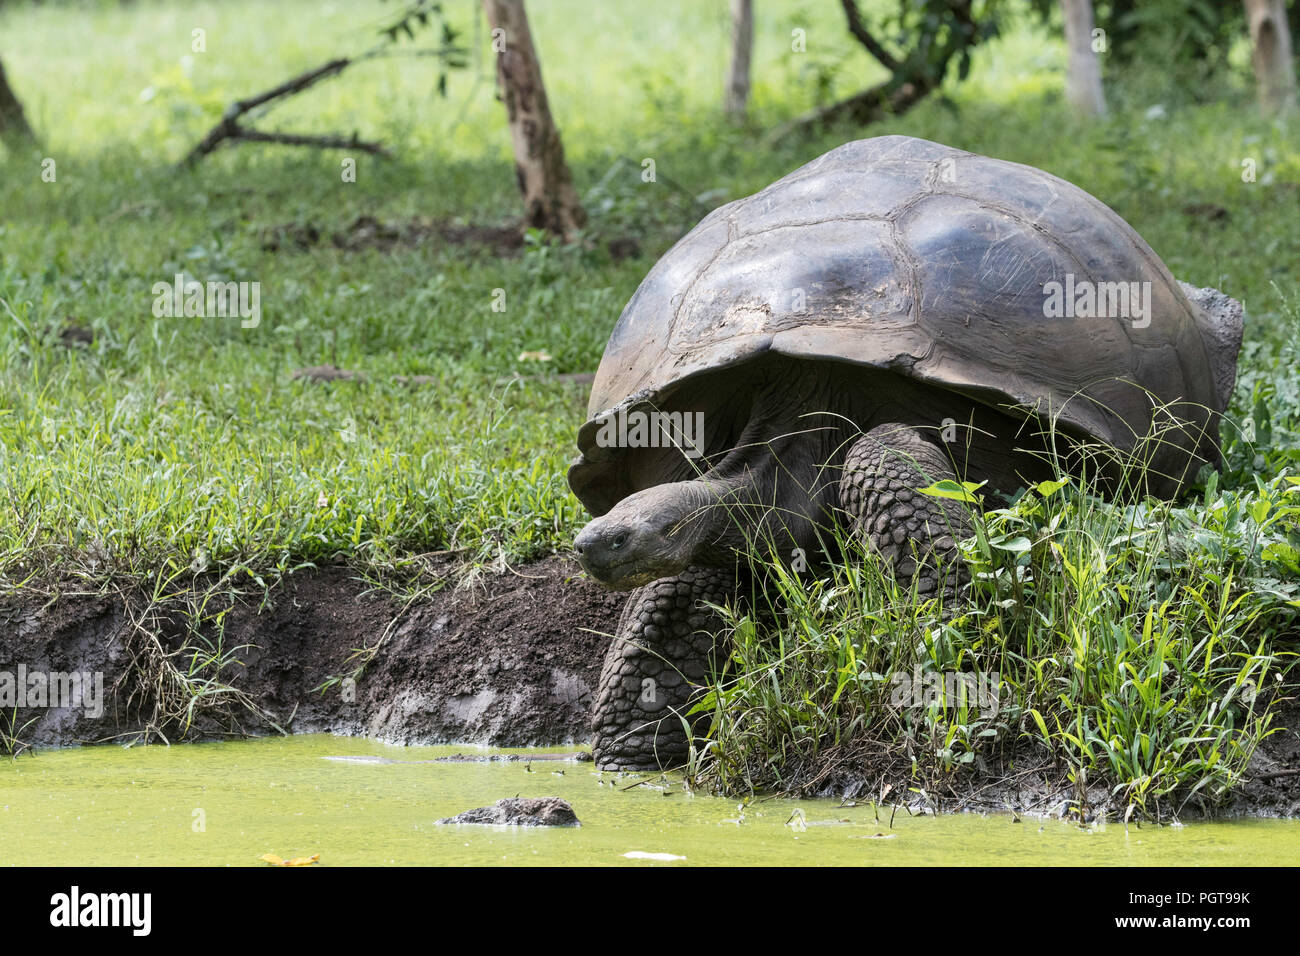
[(620, 539)]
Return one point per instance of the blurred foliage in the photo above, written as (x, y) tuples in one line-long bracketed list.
[(918, 40), (421, 14), (1180, 30)]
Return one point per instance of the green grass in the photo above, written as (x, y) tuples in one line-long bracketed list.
[(1139, 645), (173, 447)]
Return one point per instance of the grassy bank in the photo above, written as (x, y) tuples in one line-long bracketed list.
[(170, 450), (1138, 646)]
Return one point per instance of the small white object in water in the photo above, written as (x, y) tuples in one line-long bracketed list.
[(660, 857)]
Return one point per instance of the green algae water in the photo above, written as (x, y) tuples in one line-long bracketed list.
[(357, 801)]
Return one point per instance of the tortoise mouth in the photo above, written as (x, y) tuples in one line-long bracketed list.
[(627, 553), (623, 576)]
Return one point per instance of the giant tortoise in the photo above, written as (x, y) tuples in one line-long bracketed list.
[(827, 334)]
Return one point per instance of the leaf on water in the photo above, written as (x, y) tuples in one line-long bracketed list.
[(274, 860)]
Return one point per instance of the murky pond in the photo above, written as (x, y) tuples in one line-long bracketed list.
[(229, 803)]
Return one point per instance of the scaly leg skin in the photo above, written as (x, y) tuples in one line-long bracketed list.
[(915, 533), (660, 657)]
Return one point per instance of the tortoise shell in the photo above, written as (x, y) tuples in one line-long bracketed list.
[(904, 255)]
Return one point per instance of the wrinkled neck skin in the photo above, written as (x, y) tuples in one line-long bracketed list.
[(771, 487), (767, 495)]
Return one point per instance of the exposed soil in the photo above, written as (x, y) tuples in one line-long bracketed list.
[(507, 662), (1207, 212), (327, 373), (74, 334), (1274, 788), (367, 232), (332, 373), (511, 660), (1034, 784)]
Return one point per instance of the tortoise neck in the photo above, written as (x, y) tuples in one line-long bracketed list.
[(778, 480)]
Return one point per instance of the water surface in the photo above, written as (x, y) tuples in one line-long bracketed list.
[(229, 803)]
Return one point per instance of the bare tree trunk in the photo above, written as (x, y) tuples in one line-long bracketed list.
[(742, 42), (1270, 40), (15, 133), (1083, 73), (550, 201)]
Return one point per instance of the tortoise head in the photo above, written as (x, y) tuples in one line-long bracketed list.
[(647, 536)]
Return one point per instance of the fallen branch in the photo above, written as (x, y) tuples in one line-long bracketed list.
[(229, 127), (320, 142), (1276, 774)]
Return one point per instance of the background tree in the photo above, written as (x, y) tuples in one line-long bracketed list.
[(550, 201), (926, 38), (742, 42), (1186, 31), (1083, 72), (1270, 41), (15, 132)]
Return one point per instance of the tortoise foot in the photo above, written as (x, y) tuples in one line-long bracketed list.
[(658, 663)]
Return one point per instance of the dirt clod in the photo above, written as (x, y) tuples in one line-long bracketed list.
[(327, 373), (521, 812)]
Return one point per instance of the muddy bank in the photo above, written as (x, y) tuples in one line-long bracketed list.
[(511, 660), (1034, 784)]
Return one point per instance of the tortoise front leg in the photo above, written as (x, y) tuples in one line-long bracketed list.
[(916, 534), (660, 659)]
